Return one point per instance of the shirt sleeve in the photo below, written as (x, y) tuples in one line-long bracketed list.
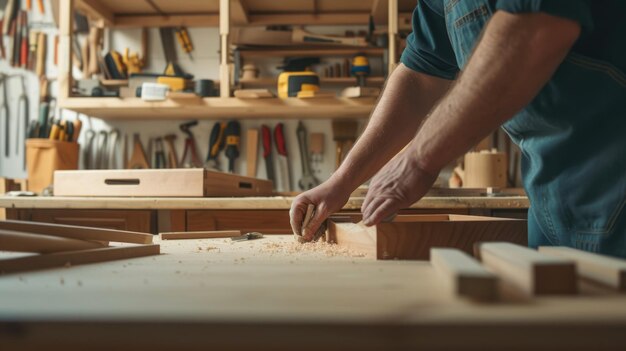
[(576, 10), (428, 49)]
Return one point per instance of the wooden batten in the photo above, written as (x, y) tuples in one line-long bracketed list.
[(532, 272), (15, 241), (463, 276), (213, 234)]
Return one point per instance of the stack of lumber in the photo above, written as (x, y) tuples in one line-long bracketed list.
[(54, 245)]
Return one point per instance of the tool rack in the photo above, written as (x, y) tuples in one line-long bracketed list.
[(226, 14)]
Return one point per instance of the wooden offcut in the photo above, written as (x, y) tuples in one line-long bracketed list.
[(77, 232), (73, 258), (599, 268), (200, 234), (412, 236), (193, 182), (15, 241), (463, 275), (529, 270)]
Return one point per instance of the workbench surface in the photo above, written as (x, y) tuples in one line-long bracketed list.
[(275, 294), (244, 203)]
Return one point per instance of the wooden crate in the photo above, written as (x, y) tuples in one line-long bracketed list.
[(192, 182), (412, 236)]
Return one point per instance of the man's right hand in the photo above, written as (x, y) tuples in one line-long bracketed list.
[(327, 198)]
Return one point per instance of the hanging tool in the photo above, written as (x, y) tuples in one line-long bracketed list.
[(4, 112), (44, 109), (22, 115), (172, 159), (169, 50), (24, 40), (344, 134), (252, 148), (159, 154), (232, 134), (138, 159), (284, 172), (266, 134), (190, 147), (3, 54), (308, 180), (89, 148), (216, 143), (40, 67), (184, 40), (102, 140), (32, 49), (114, 140)]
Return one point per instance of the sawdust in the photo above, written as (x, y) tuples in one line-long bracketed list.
[(318, 247)]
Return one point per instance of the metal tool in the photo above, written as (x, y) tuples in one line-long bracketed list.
[(232, 135), (216, 143), (4, 112), (248, 236), (102, 159), (88, 149), (113, 145), (284, 174), (267, 153), (159, 154), (22, 114), (308, 180), (190, 147)]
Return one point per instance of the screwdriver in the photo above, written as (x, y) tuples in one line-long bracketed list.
[(185, 40), (232, 134)]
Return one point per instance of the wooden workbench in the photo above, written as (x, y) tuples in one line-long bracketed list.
[(271, 294), (265, 214)]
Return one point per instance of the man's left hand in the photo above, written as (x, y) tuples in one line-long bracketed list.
[(397, 185)]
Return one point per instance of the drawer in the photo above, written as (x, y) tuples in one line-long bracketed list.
[(131, 220), (264, 221)]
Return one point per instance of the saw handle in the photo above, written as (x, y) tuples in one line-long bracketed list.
[(267, 140), (279, 136)]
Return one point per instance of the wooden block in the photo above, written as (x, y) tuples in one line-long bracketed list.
[(606, 270), (201, 235), (227, 184), (253, 94), (533, 272), (463, 275), (357, 92), (77, 232), (11, 240), (412, 236), (73, 258), (311, 94), (252, 151)]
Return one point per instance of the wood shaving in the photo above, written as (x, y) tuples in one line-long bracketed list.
[(330, 250)]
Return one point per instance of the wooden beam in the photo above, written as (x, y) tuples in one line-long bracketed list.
[(463, 275), (66, 26), (224, 48), (380, 11), (201, 234), (77, 232), (73, 258), (136, 21), (309, 19), (393, 35), (239, 12), (599, 268), (96, 9), (15, 241), (533, 272)]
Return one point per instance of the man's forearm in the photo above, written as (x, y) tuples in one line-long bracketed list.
[(406, 100), (515, 58)]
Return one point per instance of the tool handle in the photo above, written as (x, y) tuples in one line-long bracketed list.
[(78, 124), (214, 140), (232, 134), (304, 157), (279, 136), (267, 140)]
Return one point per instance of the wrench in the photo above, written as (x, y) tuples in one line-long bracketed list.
[(308, 180)]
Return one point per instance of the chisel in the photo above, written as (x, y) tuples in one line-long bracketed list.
[(267, 153), (282, 159), (232, 134), (216, 143)]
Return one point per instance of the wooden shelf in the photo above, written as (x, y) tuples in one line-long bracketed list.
[(214, 107), (262, 82), (265, 51)]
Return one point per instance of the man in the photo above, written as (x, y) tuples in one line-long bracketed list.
[(551, 72)]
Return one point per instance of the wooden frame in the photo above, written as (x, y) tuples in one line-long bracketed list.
[(412, 236), (603, 269), (463, 275), (533, 272)]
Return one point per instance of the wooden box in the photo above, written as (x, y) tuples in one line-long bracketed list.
[(412, 236), (192, 182)]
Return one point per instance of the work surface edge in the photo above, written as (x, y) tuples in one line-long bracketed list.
[(242, 203)]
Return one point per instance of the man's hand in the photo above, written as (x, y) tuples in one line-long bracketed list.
[(327, 198), (398, 185)]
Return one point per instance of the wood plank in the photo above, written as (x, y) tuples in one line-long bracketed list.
[(606, 270), (200, 235), (354, 236), (96, 9), (77, 232), (252, 151), (66, 26), (126, 220), (16, 241), (227, 184), (463, 275), (188, 20), (73, 258), (532, 272), (239, 12), (309, 19)]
